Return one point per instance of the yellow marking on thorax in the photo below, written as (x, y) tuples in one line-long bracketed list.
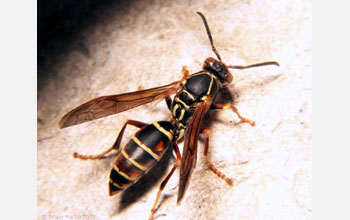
[(184, 104), (181, 133), (189, 94), (210, 85), (206, 98), (182, 113), (174, 109)]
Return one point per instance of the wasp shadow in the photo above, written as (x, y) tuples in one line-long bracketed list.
[(225, 96)]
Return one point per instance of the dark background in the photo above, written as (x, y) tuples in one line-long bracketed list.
[(60, 23)]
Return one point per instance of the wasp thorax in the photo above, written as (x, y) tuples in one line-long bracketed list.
[(219, 69)]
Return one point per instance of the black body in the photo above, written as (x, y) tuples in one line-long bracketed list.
[(197, 86), (141, 153)]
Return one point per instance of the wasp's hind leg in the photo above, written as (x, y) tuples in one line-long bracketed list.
[(116, 144), (165, 181)]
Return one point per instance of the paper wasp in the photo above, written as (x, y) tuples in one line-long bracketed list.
[(194, 95)]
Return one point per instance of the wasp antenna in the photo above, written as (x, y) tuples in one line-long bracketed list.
[(209, 34), (254, 65)]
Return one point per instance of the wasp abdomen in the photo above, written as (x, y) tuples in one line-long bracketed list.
[(142, 152)]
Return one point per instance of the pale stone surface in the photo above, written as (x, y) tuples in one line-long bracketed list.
[(146, 44)]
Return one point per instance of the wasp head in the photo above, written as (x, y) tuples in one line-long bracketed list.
[(219, 69)]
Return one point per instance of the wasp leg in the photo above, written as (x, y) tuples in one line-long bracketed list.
[(185, 72), (116, 144), (235, 110), (165, 181), (212, 167)]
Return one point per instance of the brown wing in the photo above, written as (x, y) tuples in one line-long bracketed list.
[(107, 105), (189, 155)]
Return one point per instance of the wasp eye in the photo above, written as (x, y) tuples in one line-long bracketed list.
[(218, 67)]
